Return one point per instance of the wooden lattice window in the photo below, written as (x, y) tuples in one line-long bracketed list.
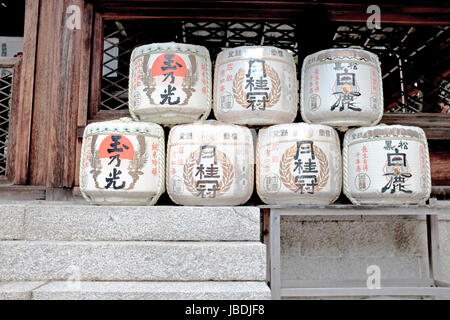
[(13, 142)]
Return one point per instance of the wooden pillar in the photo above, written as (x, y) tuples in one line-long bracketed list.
[(60, 92)]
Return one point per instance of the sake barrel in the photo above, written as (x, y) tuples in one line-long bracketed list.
[(387, 165), (170, 83), (122, 163), (297, 164), (255, 86), (210, 163), (341, 88)]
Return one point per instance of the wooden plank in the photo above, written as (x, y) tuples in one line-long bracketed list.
[(61, 103), (346, 11), (418, 119), (78, 157), (440, 168), (435, 125), (45, 62), (22, 193), (83, 99), (105, 115), (24, 106), (85, 63), (8, 62), (96, 65)]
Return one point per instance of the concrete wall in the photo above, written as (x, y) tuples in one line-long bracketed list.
[(341, 248)]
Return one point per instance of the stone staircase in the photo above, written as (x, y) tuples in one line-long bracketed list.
[(76, 251)]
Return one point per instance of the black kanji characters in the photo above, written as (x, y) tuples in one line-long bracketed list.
[(257, 94), (397, 171), (346, 90), (208, 175), (305, 167), (169, 66)]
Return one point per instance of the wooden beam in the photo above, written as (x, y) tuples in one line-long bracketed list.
[(8, 62), (24, 106), (85, 65), (440, 168), (435, 125), (63, 57), (42, 100), (22, 193), (403, 12), (96, 66)]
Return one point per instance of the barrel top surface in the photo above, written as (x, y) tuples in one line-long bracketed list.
[(170, 46), (254, 52), (327, 53), (124, 125), (388, 131)]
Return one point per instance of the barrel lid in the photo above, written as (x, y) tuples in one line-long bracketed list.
[(255, 52), (387, 131), (328, 54), (124, 126), (170, 47)]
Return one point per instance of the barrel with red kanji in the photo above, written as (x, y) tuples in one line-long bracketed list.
[(170, 83), (298, 163), (387, 165), (341, 88), (255, 86), (210, 163), (122, 163)]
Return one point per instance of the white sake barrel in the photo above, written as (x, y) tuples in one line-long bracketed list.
[(342, 88), (386, 165), (210, 163), (297, 164), (122, 163), (255, 86), (170, 83)]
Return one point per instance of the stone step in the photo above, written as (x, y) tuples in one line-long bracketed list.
[(152, 291), (18, 290), (132, 261), (61, 222)]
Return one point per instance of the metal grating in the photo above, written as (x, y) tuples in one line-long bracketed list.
[(6, 78), (412, 80)]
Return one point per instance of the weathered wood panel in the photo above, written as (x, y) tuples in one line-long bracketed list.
[(22, 102), (402, 12), (96, 66), (62, 73), (440, 168)]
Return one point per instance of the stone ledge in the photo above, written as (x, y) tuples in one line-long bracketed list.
[(153, 291), (18, 290), (59, 222), (132, 261)]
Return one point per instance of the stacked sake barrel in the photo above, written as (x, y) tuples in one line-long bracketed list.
[(123, 161), (381, 164), (212, 162)]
